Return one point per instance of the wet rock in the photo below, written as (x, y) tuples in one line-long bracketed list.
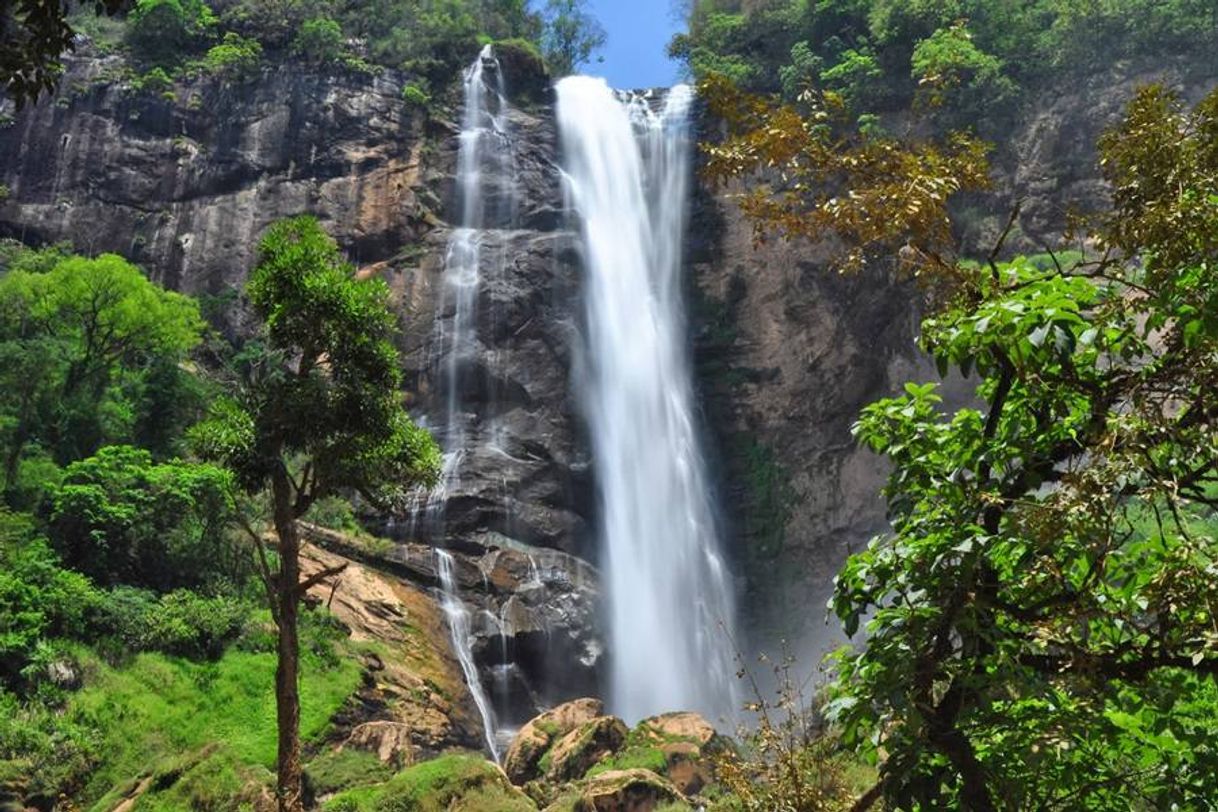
[(537, 736), (414, 701)]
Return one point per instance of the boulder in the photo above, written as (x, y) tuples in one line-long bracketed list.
[(581, 749), (625, 791), (388, 741), (538, 735)]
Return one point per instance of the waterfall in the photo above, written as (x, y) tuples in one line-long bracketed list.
[(484, 153), (459, 628), (670, 601)]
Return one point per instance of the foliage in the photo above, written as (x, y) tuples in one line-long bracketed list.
[(320, 40), (1033, 639), (325, 382), (786, 760), (162, 32), (33, 36), (571, 35), (450, 783), (235, 59), (817, 176), (120, 518), (415, 95), (89, 354), (979, 57), (38, 599), (952, 71)]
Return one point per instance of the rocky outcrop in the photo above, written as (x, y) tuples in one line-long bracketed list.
[(413, 703), (635, 790), (534, 740)]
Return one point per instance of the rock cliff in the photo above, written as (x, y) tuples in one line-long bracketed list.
[(183, 182)]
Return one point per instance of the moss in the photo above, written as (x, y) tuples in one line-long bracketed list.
[(453, 783), (644, 757), (336, 770)]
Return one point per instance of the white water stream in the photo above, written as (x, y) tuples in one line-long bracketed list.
[(670, 600), (457, 615)]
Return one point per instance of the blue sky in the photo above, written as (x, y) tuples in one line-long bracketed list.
[(639, 31)]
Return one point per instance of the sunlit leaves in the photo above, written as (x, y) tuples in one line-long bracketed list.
[(812, 174)]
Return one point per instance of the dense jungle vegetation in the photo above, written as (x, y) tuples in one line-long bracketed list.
[(974, 60), (1040, 622), (429, 40)]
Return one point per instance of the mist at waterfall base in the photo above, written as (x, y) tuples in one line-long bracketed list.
[(669, 594)]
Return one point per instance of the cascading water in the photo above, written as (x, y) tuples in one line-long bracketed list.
[(484, 147), (484, 151), (670, 601), (459, 627)]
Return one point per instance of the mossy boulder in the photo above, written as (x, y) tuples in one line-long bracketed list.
[(522, 762), (684, 742), (577, 752), (634, 790), (525, 74), (452, 783)]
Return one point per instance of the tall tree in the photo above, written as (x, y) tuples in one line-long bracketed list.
[(1040, 619), (570, 36), (317, 408)]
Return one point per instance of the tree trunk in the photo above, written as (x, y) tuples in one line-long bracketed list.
[(287, 673)]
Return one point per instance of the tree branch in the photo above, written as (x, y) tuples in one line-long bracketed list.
[(315, 579)]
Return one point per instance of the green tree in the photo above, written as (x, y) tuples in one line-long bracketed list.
[(318, 408), (319, 40), (85, 346), (571, 35), (164, 32), (1041, 625), (33, 36)]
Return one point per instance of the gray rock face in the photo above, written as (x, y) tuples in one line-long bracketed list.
[(185, 186)]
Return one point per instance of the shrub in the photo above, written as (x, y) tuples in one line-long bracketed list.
[(38, 598), (121, 519), (319, 41), (181, 623), (162, 32), (236, 59), (415, 95)]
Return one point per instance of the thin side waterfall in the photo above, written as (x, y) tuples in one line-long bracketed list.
[(459, 627), (484, 153), (670, 600)]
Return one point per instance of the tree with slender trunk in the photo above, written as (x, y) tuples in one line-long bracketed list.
[(314, 405)]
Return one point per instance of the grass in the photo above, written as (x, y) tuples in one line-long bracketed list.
[(201, 730), (452, 783), (335, 770)]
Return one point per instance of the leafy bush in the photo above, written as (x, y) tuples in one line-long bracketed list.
[(415, 95), (163, 32), (319, 40), (181, 623), (236, 59), (38, 598), (122, 519)]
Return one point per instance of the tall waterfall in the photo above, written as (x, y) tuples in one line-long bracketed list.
[(484, 145), (670, 601), (485, 150)]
